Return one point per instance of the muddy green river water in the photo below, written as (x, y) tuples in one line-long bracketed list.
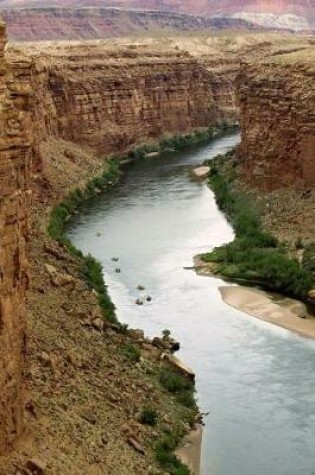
[(256, 380)]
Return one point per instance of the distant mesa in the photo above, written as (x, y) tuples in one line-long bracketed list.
[(93, 19)]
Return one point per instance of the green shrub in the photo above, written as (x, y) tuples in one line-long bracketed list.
[(174, 382), (165, 454), (309, 258), (255, 255), (187, 399), (148, 417), (92, 272), (181, 387), (91, 268), (180, 141), (132, 352)]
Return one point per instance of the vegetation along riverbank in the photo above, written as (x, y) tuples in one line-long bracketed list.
[(97, 386), (153, 427), (167, 430), (256, 256)]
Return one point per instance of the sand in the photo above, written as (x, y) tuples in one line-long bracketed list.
[(190, 452), (284, 312)]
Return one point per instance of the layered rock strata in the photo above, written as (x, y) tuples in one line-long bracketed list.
[(277, 104), (15, 156), (108, 99), (55, 23), (295, 14)]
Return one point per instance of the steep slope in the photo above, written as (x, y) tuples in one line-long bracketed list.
[(15, 158), (82, 388)]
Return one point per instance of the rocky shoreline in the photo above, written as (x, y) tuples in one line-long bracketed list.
[(88, 379)]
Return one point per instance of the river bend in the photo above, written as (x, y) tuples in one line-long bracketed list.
[(257, 380)]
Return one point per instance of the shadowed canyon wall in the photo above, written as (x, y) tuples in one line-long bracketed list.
[(15, 156), (277, 118)]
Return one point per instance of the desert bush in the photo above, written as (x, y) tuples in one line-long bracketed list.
[(174, 382), (132, 352), (148, 417), (165, 454), (255, 255)]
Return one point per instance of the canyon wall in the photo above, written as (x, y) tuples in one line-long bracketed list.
[(15, 156), (101, 99), (277, 118), (108, 99), (97, 99)]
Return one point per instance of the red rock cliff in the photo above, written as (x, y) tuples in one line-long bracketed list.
[(14, 188), (277, 104), (109, 99)]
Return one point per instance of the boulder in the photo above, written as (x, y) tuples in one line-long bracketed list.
[(89, 416), (152, 155), (136, 445), (59, 279), (179, 366), (50, 269), (160, 343), (36, 466), (168, 344), (311, 296), (98, 324), (136, 334), (201, 172)]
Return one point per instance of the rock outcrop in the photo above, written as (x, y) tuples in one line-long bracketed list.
[(277, 103), (15, 157)]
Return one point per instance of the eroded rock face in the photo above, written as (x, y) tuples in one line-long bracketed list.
[(277, 103), (108, 99), (15, 155)]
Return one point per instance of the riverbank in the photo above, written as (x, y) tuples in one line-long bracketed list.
[(190, 452), (283, 312), (73, 349), (174, 217), (256, 256)]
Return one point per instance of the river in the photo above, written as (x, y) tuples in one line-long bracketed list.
[(256, 379)]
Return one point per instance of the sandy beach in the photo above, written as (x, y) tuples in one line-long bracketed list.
[(190, 452), (284, 312)]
